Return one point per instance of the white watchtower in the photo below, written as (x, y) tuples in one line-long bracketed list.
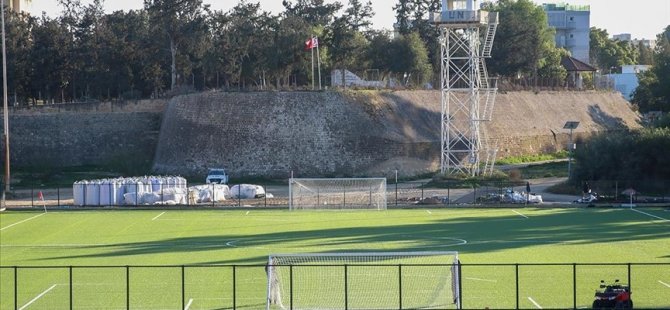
[(468, 94)]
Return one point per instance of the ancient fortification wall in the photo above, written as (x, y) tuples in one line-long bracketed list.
[(359, 133), (109, 133), (313, 134)]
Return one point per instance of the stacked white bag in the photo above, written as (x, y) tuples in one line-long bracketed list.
[(148, 190), (246, 191)]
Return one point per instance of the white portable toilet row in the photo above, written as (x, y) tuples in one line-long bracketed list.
[(104, 192)]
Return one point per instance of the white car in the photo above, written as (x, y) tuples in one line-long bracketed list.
[(217, 176)]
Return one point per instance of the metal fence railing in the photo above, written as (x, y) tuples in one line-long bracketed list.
[(482, 286), (401, 194)]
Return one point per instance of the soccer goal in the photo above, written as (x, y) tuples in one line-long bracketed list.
[(337, 193), (400, 280)]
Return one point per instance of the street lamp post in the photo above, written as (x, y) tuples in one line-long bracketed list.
[(572, 125)]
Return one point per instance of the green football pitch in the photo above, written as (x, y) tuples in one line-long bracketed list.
[(528, 258)]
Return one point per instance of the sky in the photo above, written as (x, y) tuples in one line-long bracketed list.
[(643, 19)]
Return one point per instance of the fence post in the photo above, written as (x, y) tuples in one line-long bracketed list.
[(460, 285), (290, 274), (127, 287), (396, 189), (70, 268), (266, 196), (448, 194), (58, 195), (516, 279), (234, 289), (183, 295), (399, 286), (346, 284), (239, 195), (629, 284), (32, 195), (422, 184), (16, 287), (574, 285)]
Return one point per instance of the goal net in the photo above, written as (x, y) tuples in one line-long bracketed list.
[(400, 280), (337, 193)]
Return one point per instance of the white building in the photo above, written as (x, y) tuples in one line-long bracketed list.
[(622, 37), (572, 24), (626, 37), (627, 81), (15, 5)]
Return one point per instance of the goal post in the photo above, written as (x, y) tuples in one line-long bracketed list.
[(395, 280), (337, 193)]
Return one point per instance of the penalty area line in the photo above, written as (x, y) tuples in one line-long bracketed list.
[(517, 212), (37, 297), (157, 216), (654, 216), (535, 303), (28, 219), (666, 284), (188, 305), (429, 212)]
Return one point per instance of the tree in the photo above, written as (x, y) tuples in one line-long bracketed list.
[(410, 58), (18, 27), (653, 93), (645, 54), (626, 155), (525, 28), (403, 12), (347, 45), (608, 54), (358, 15), (51, 59), (181, 21), (314, 12)]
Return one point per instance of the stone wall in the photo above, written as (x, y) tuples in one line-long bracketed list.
[(313, 134), (360, 133), (122, 134)]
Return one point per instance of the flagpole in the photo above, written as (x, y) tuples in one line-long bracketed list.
[(318, 60), (312, 49)]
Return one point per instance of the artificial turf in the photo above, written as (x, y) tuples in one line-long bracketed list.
[(224, 252)]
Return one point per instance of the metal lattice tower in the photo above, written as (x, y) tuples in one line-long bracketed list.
[(468, 94)]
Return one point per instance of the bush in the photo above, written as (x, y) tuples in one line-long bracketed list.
[(627, 155)]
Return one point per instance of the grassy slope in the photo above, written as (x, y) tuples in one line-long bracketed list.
[(235, 237)]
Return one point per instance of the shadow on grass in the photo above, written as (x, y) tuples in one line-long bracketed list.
[(469, 233)]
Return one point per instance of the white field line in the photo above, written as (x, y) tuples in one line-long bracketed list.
[(654, 216), (535, 303), (478, 279), (666, 284), (515, 211), (429, 212), (28, 219), (157, 216), (188, 305), (37, 297)]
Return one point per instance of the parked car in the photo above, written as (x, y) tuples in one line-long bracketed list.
[(217, 176)]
